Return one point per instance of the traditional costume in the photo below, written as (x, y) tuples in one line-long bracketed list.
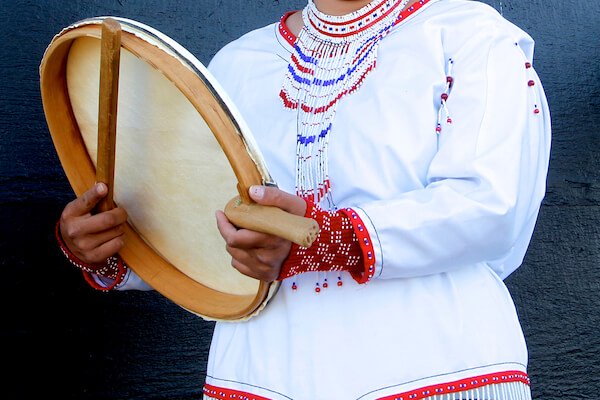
[(429, 129)]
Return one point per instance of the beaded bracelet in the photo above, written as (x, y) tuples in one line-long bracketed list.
[(114, 268), (336, 248)]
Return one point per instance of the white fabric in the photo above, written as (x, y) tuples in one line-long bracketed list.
[(449, 220)]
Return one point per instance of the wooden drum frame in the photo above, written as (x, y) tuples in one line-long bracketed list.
[(70, 129)]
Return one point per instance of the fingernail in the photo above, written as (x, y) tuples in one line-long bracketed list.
[(257, 192), (100, 188)]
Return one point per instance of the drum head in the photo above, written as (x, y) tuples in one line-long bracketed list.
[(182, 153)]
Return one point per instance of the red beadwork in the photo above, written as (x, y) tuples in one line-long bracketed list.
[(340, 283), (444, 96), (449, 120), (325, 285), (318, 289), (531, 83), (527, 64), (449, 79), (536, 111), (335, 248), (294, 287)]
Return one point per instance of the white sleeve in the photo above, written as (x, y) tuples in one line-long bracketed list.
[(485, 185), (131, 281)]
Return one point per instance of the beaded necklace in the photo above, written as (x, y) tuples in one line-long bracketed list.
[(331, 58)]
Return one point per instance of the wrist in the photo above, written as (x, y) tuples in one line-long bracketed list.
[(336, 247), (113, 268)]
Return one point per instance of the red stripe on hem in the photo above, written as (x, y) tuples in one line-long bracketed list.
[(461, 385), (229, 394)]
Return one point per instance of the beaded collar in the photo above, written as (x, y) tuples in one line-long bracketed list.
[(332, 57), (342, 28)]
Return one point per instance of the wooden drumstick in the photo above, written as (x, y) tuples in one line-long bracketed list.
[(107, 108), (298, 229)]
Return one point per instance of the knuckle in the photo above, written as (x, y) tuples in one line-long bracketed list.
[(87, 200), (122, 214), (275, 195), (72, 231), (119, 243), (230, 242), (119, 230), (109, 219), (64, 216)]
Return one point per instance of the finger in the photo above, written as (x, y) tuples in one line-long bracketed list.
[(272, 196), (108, 249), (85, 203), (266, 273), (248, 239), (244, 238), (91, 242), (226, 228), (106, 220), (94, 224)]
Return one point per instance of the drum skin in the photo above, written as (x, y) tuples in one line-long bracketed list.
[(182, 153)]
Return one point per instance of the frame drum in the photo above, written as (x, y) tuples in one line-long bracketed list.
[(182, 149)]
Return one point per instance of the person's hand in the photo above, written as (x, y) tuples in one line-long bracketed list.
[(92, 238), (255, 254)]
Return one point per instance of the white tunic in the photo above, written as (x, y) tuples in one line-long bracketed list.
[(450, 216)]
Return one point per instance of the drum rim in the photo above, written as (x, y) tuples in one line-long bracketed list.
[(198, 86)]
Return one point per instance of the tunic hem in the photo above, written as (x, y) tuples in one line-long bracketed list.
[(504, 385)]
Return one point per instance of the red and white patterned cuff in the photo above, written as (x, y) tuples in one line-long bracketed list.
[(366, 247), (343, 244), (114, 268)]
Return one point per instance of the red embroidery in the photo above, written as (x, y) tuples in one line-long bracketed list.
[(416, 394), (461, 385), (229, 394), (343, 244), (291, 38), (366, 246), (336, 247)]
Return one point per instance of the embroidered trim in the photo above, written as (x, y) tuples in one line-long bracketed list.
[(353, 23), (291, 38), (336, 248), (423, 393), (366, 246), (461, 385), (220, 393)]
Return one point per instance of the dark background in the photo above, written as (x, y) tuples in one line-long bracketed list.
[(61, 338)]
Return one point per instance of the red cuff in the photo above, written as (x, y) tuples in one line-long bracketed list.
[(366, 247), (343, 244), (114, 268)]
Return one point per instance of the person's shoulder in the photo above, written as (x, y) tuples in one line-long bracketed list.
[(260, 40), (472, 24), (467, 11)]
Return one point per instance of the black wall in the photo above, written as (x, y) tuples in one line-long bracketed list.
[(59, 337)]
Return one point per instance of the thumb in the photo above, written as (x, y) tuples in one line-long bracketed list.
[(88, 200), (272, 196)]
